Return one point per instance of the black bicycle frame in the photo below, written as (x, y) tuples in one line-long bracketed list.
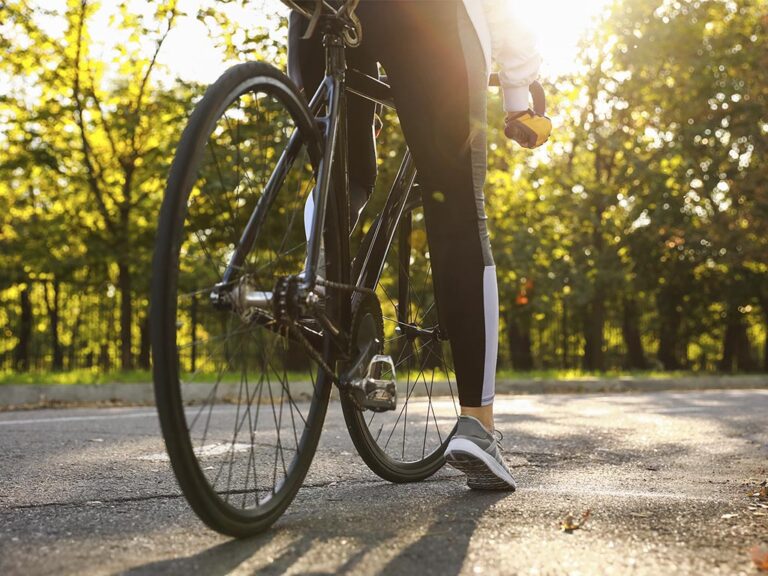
[(332, 93), (331, 191)]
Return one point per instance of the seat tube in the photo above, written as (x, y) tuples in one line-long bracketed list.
[(335, 68)]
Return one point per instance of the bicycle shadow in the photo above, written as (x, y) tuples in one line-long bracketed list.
[(220, 559), (415, 538)]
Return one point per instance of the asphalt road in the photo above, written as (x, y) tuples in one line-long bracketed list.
[(666, 476)]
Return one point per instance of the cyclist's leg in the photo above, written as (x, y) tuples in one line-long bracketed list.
[(306, 67), (439, 79)]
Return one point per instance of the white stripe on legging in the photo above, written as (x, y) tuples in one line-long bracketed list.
[(491, 313)]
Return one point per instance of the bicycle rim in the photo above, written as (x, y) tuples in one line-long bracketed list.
[(241, 403)]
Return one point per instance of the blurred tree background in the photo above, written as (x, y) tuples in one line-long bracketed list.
[(636, 240)]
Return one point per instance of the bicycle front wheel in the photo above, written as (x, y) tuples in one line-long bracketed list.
[(241, 402)]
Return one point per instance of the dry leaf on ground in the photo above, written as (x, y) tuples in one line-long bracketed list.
[(760, 492), (571, 523), (760, 557)]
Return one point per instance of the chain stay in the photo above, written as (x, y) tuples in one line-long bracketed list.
[(286, 308)]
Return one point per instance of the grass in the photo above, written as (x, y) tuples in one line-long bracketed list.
[(80, 376), (88, 376), (574, 374)]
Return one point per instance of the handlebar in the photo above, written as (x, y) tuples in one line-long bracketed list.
[(314, 10)]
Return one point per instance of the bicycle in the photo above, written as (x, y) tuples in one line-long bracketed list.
[(257, 314)]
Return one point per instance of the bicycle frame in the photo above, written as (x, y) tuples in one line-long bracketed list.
[(331, 192), (333, 91)]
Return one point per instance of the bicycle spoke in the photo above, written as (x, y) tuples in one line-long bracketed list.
[(225, 189), (251, 464), (210, 410), (237, 163), (430, 406), (246, 414), (422, 423), (409, 391)]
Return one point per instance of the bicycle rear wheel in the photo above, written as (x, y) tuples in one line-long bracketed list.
[(407, 444), (241, 403)]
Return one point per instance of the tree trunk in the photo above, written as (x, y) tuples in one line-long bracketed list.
[(594, 325), (21, 352), (104, 360), (144, 343), (73, 347), (126, 315), (193, 336), (737, 353), (52, 305), (565, 334), (765, 343), (729, 345), (519, 335), (669, 329), (763, 300), (630, 330), (744, 360)]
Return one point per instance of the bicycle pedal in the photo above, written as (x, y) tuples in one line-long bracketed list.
[(378, 390)]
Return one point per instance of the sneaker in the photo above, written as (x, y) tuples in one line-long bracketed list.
[(476, 452)]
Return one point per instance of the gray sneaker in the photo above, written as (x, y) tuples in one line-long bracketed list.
[(477, 453)]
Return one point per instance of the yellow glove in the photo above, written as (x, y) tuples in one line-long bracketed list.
[(528, 128)]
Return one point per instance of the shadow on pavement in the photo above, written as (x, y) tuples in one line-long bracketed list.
[(220, 559), (387, 546), (448, 536)]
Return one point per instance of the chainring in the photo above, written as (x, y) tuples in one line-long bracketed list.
[(366, 336), (367, 322)]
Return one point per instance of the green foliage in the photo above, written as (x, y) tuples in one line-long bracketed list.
[(638, 236), (89, 139), (653, 188)]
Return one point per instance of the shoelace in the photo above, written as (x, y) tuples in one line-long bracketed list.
[(499, 437)]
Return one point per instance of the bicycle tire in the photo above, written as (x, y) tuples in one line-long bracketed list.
[(379, 460), (214, 506)]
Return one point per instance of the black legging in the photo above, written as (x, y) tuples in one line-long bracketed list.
[(435, 65)]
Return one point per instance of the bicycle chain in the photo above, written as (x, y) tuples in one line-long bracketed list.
[(312, 351), (296, 331), (345, 287)]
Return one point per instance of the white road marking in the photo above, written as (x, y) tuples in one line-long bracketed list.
[(113, 416), (76, 419), (684, 409), (601, 492), (158, 457), (209, 450)]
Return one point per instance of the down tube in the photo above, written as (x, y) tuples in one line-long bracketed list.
[(387, 223), (255, 222)]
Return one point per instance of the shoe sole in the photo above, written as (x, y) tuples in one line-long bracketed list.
[(482, 470)]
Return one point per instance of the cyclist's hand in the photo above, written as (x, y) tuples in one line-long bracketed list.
[(527, 128)]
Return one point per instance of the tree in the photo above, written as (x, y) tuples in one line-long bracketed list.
[(96, 147)]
